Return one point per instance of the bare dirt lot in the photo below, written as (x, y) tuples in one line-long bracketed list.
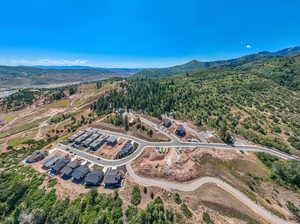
[(243, 171), (226, 210), (179, 164), (109, 152)]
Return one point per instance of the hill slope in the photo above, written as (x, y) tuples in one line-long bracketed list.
[(26, 76), (258, 101), (194, 65)]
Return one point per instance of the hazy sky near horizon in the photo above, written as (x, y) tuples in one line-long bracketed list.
[(142, 33)]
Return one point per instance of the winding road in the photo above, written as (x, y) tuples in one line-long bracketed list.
[(205, 180), (175, 142)]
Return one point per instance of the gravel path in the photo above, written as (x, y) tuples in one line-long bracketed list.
[(198, 183)]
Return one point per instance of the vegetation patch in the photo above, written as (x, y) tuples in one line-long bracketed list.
[(23, 127), (285, 173), (16, 141), (242, 100), (136, 196), (226, 211), (206, 218)]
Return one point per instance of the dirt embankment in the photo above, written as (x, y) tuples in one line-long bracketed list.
[(178, 164)]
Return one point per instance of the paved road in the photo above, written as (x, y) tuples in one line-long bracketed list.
[(198, 183), (174, 142), (142, 144)]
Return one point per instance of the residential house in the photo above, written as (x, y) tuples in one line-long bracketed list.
[(113, 178), (167, 123), (36, 156), (59, 165), (80, 172), (69, 168), (180, 131), (94, 178)]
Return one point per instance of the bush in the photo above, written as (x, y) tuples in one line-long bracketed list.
[(136, 196), (293, 209), (186, 210), (145, 190), (177, 199), (152, 195), (52, 182), (206, 218), (286, 173)]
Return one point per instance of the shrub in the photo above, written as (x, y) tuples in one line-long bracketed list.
[(177, 199), (136, 196), (186, 210), (206, 218)]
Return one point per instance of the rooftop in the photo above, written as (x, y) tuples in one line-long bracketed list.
[(80, 172), (59, 164), (112, 177), (94, 177)]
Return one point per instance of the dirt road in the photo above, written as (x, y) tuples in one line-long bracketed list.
[(198, 183)]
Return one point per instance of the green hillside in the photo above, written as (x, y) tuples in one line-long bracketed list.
[(27, 76), (194, 65), (259, 101)]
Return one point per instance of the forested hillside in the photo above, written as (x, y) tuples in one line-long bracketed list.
[(194, 65), (259, 100)]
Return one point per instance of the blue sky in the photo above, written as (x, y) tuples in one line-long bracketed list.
[(142, 33)]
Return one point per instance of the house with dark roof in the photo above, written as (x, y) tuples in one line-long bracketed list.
[(167, 123), (59, 165), (51, 161), (126, 149), (80, 172), (98, 142), (111, 141), (94, 178), (75, 136), (36, 156), (83, 137), (88, 141), (66, 172), (69, 168), (180, 131), (120, 111), (113, 178)]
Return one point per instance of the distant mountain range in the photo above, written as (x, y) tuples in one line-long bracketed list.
[(194, 64), (20, 76), (124, 70)]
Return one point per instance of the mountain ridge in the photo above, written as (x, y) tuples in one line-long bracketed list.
[(195, 64)]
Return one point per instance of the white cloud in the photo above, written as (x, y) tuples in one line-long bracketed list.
[(45, 62), (248, 46)]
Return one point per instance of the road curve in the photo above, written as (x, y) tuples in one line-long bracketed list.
[(198, 183), (142, 144)]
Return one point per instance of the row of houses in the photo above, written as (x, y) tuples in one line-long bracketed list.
[(67, 169), (92, 139)]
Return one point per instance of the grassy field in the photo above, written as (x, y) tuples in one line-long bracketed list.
[(16, 141), (59, 104), (9, 117), (23, 127)]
